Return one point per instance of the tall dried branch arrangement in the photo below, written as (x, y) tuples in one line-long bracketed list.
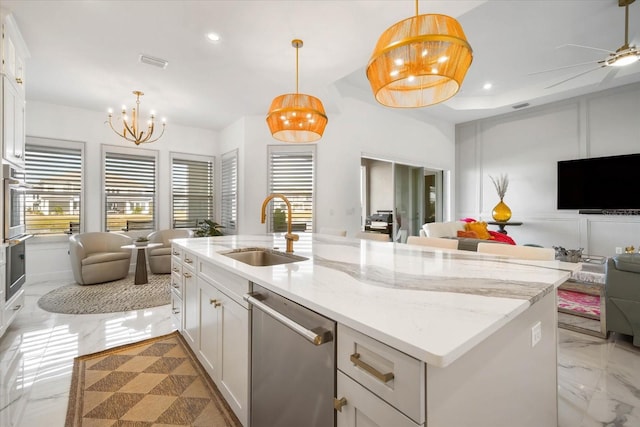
[(501, 184)]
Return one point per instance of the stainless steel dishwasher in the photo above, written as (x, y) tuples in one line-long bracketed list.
[(293, 376)]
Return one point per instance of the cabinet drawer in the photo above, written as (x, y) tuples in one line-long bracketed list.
[(189, 260), (176, 267), (12, 308), (176, 310), (393, 376), (364, 408), (232, 285), (176, 283), (176, 252)]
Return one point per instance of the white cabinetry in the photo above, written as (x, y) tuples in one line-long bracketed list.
[(14, 54), (215, 323), (377, 385), (176, 287), (3, 278), (224, 334)]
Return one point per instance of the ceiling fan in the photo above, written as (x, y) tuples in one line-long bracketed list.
[(623, 56)]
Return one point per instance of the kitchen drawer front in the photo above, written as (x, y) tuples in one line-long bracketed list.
[(176, 252), (176, 283), (232, 285), (189, 260), (365, 409), (392, 375), (12, 307), (176, 267), (176, 310)]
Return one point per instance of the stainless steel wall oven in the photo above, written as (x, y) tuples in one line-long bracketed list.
[(14, 227)]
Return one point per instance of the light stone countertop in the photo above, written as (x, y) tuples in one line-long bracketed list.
[(433, 304)]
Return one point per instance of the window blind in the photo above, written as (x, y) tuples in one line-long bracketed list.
[(229, 192), (191, 192), (291, 172), (130, 192), (54, 179)]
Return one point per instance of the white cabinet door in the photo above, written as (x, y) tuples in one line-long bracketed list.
[(190, 314), (13, 123), (234, 366), (364, 409), (210, 317)]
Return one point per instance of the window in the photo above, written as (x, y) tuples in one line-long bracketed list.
[(53, 198), (291, 172), (130, 189), (229, 192), (191, 190)]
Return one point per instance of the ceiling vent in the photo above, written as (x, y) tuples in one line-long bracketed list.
[(156, 62), (518, 106)]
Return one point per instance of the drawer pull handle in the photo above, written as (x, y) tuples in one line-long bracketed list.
[(215, 303), (17, 307), (385, 378), (176, 253), (18, 80), (339, 403), (176, 311), (188, 260), (187, 275), (176, 269), (175, 285)]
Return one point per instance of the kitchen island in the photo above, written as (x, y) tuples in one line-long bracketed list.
[(480, 330)]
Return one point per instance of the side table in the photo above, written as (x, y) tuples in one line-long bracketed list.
[(502, 224), (141, 261)]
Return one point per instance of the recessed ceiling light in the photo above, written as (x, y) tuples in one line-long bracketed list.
[(214, 37), (487, 86)]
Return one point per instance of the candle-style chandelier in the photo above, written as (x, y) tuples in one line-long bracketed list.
[(130, 130)]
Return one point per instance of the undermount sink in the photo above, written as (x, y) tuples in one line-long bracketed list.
[(262, 257)]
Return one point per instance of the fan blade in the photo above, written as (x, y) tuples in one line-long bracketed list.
[(573, 77), (585, 47), (610, 76), (566, 66)]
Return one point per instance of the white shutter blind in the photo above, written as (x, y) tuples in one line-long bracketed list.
[(130, 191), (291, 172), (191, 192), (54, 179), (229, 192)]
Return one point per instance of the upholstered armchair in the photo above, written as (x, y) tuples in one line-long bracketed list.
[(160, 257), (98, 257), (622, 291)]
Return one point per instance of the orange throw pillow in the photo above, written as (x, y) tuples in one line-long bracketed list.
[(480, 228), (468, 234)]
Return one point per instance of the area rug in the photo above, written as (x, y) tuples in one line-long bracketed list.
[(156, 382), (579, 303), (110, 297)]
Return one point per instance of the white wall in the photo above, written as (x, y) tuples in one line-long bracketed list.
[(527, 144), (47, 257), (359, 128)]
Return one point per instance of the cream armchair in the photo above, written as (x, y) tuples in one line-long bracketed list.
[(98, 257), (160, 257)]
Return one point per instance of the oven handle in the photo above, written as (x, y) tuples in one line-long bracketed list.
[(310, 335), (17, 241)]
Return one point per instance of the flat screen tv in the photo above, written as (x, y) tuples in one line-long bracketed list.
[(599, 183)]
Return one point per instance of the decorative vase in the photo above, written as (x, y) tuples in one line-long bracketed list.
[(501, 212)]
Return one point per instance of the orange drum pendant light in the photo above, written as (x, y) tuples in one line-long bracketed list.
[(419, 61), (296, 117)]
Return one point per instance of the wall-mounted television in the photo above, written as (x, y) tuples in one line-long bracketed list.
[(599, 183)]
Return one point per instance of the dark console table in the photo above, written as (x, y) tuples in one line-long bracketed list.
[(502, 224)]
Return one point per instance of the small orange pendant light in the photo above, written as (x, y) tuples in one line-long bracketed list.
[(296, 117)]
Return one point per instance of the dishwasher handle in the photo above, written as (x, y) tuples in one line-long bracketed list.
[(316, 336)]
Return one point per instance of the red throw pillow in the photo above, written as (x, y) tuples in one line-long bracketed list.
[(502, 237)]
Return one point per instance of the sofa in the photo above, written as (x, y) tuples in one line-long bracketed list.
[(449, 230), (622, 295)]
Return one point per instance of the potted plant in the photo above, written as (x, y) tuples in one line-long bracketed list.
[(208, 228), (141, 241)]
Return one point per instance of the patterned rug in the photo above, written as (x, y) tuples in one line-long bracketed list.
[(110, 297), (156, 382), (579, 303)]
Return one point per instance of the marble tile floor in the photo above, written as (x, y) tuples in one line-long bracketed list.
[(598, 379)]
